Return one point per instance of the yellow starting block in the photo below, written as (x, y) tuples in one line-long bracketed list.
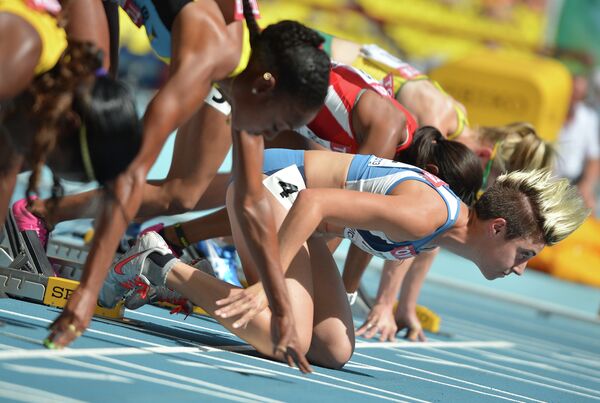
[(503, 87), (60, 289), (430, 321)]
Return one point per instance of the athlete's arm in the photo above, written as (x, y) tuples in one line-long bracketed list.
[(347, 208), (378, 125), (193, 63), (258, 228), (10, 165)]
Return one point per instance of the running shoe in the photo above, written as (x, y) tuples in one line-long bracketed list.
[(154, 294), (160, 294), (127, 275), (26, 221)]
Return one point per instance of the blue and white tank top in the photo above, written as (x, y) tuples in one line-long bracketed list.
[(372, 174)]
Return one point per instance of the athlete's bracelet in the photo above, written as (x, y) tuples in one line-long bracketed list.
[(181, 236), (352, 296)]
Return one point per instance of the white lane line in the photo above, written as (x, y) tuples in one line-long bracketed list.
[(483, 363), (64, 373), (209, 329), (537, 350), (435, 344), (284, 365), (205, 389), (538, 361), (20, 393), (523, 338), (311, 379), (230, 361), (230, 392), (225, 367), (485, 387), (93, 352)]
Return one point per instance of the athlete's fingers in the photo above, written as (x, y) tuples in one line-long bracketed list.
[(231, 298), (372, 332), (233, 309), (244, 320)]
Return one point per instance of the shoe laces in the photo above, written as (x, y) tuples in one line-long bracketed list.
[(181, 304), (138, 285)]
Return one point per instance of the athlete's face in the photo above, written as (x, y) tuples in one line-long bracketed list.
[(270, 115), (499, 256)]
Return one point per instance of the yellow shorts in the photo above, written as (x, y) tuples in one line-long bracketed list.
[(54, 38)]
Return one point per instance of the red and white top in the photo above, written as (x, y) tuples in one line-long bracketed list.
[(332, 128)]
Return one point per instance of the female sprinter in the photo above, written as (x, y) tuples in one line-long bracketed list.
[(387, 208), (74, 118), (502, 149), (280, 85)]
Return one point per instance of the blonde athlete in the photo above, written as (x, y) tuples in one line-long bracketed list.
[(516, 146), (387, 208)]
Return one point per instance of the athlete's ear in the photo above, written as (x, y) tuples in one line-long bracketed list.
[(497, 227), (432, 169), (263, 83), (484, 154)]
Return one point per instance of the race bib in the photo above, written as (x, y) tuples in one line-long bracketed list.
[(285, 185), (383, 58), (217, 101)]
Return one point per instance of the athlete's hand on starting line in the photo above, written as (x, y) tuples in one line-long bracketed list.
[(73, 320), (247, 303), (380, 321), (407, 319), (288, 346)]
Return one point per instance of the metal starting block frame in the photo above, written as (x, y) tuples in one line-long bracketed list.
[(28, 272)]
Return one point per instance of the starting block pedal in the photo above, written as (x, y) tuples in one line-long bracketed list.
[(430, 321), (27, 273)]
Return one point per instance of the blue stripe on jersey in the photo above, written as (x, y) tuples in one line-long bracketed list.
[(276, 159)]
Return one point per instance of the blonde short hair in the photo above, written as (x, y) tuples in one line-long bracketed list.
[(534, 204), (519, 147)]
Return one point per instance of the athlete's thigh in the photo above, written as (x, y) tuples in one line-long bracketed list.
[(88, 23), (333, 332), (298, 276), (201, 145)]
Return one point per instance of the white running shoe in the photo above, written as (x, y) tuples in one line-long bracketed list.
[(125, 275)]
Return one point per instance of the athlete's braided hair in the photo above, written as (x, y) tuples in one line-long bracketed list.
[(457, 165), (50, 100), (292, 53)]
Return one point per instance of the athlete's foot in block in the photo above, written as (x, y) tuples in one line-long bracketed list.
[(160, 294), (27, 221), (126, 274)]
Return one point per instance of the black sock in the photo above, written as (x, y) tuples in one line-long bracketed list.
[(160, 260), (178, 250)]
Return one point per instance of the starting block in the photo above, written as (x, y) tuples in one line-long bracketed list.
[(26, 271)]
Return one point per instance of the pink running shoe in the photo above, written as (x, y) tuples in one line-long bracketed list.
[(26, 221)]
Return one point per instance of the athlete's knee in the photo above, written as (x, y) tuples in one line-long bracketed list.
[(332, 355), (335, 357)]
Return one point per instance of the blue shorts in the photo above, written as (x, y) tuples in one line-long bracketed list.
[(276, 159)]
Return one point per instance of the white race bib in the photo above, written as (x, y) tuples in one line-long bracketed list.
[(285, 185)]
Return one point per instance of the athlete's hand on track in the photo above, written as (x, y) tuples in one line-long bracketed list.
[(286, 344), (73, 320), (247, 302), (407, 319), (380, 320)]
